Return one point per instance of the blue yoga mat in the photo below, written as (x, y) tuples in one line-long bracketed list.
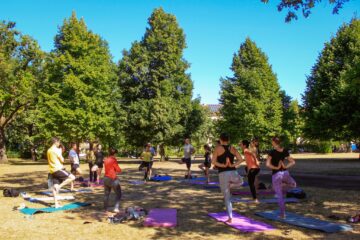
[(31, 211), (265, 200), (306, 222), (81, 190), (161, 178)]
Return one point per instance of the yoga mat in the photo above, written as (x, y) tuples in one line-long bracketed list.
[(210, 186), (205, 183), (257, 192), (305, 222), (81, 190), (31, 211), (44, 199), (161, 178), (265, 200), (242, 223), (161, 217), (137, 182)]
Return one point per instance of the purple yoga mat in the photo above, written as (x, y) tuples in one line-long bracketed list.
[(161, 217), (257, 192), (205, 183), (265, 200), (242, 223)]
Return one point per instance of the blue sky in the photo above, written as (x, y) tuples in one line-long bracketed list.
[(214, 31)]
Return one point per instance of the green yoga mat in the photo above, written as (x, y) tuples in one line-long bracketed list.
[(71, 206)]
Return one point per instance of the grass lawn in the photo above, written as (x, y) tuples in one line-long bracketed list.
[(193, 204)]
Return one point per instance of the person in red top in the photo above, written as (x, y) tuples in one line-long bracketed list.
[(111, 181), (253, 167)]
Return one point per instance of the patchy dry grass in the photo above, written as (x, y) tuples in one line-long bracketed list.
[(193, 204)]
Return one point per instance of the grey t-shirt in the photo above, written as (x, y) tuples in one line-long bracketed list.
[(188, 150), (74, 158)]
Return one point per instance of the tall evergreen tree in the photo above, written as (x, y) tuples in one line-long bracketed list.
[(81, 95), (156, 90), (251, 100), (331, 98), (20, 67), (291, 119)]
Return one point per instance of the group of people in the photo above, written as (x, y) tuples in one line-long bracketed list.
[(222, 157)]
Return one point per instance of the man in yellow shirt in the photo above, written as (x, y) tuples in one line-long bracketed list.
[(56, 168), (146, 157)]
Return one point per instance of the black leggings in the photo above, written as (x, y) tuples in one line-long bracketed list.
[(251, 179), (92, 175)]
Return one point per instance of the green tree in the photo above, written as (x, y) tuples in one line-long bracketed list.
[(291, 119), (251, 100), (293, 6), (331, 99), (81, 95), (20, 67), (156, 90)]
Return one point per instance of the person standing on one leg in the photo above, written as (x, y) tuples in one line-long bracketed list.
[(281, 179), (59, 175), (146, 162), (90, 158), (153, 154), (223, 158), (75, 163), (189, 150), (111, 181), (207, 163), (99, 161), (252, 166)]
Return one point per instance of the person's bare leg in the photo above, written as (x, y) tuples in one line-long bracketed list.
[(55, 193), (99, 175), (207, 174), (70, 179)]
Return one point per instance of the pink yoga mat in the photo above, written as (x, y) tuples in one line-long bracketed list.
[(257, 192), (242, 223), (161, 217)]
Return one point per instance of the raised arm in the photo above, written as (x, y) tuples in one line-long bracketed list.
[(238, 156), (290, 164)]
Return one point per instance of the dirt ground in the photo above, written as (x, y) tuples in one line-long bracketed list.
[(193, 204)]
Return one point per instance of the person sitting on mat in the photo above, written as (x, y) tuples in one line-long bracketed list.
[(111, 181), (252, 167), (223, 158), (206, 165), (59, 175), (146, 163), (281, 179)]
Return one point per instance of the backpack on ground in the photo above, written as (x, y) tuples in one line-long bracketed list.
[(296, 193), (9, 192)]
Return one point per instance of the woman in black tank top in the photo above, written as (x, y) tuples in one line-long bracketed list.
[(223, 159)]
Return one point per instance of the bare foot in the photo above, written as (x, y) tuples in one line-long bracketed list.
[(116, 210), (57, 205), (282, 215), (256, 201), (229, 220)]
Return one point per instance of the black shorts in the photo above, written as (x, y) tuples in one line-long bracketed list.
[(74, 166), (60, 176), (145, 164), (187, 161), (100, 164), (207, 164)]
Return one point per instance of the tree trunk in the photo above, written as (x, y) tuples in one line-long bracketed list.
[(3, 157)]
